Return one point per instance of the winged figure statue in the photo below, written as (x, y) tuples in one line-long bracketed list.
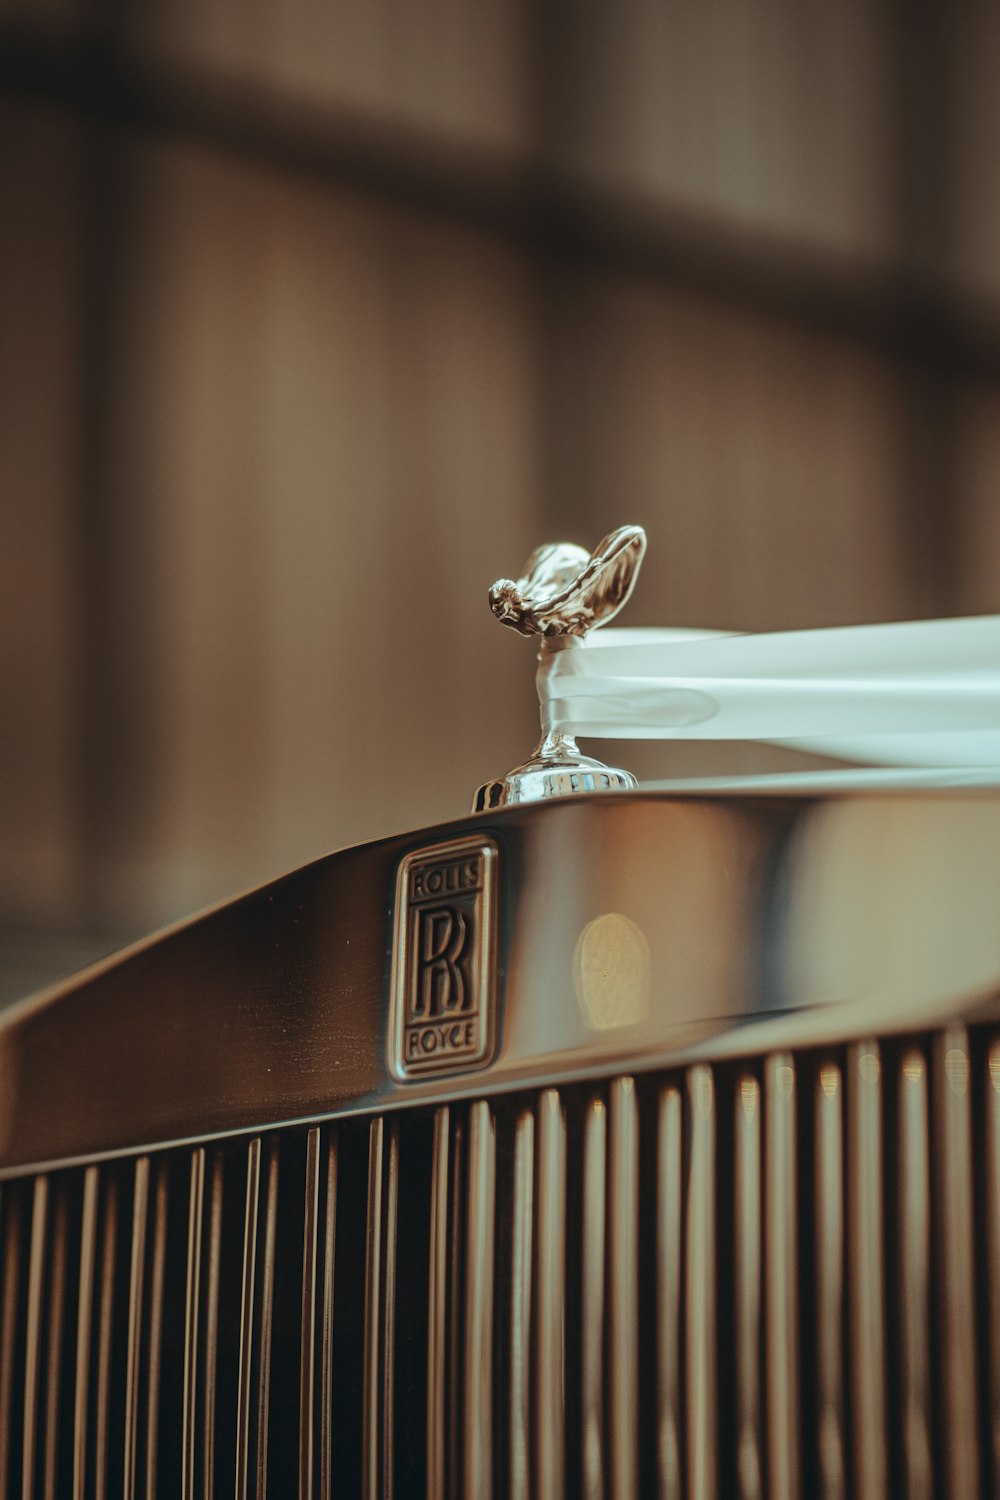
[(564, 593), (566, 590)]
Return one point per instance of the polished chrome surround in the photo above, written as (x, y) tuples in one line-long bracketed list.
[(442, 1009), (720, 1214), (769, 923), (564, 593)]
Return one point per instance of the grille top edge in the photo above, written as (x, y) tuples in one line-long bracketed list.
[(617, 934)]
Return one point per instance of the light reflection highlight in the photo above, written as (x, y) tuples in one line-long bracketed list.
[(611, 972)]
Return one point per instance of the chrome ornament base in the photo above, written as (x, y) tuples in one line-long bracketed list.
[(555, 770)]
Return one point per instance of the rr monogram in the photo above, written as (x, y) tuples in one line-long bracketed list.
[(442, 984)]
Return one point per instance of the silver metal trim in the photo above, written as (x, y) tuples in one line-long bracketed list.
[(84, 1325), (247, 1311), (551, 1294), (33, 1337), (307, 1340), (992, 1089), (211, 1329), (458, 1190), (388, 1330), (8, 1317), (54, 1360), (370, 1444), (522, 1224), (137, 1266), (592, 1319), (192, 1307), (959, 1355), (669, 1247), (623, 1254), (380, 1310), (830, 1416), (266, 1313), (157, 1278), (326, 1342), (748, 1266), (478, 1404), (105, 1330), (700, 1307), (437, 1308), (11, 1250), (914, 1275), (867, 1263), (809, 901), (781, 1276)]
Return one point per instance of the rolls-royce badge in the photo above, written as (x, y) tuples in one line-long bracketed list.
[(443, 1002)]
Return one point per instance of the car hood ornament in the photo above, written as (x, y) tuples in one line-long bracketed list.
[(564, 593)]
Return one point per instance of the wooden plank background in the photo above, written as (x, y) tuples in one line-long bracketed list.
[(314, 320)]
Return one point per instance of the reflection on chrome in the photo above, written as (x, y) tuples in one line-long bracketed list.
[(700, 1308), (718, 1212), (612, 973), (866, 1260), (747, 1260)]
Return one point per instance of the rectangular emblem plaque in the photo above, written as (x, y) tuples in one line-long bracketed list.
[(443, 963)]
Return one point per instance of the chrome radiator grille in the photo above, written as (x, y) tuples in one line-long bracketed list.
[(777, 1276)]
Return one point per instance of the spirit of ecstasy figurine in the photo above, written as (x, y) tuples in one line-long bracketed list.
[(564, 593)]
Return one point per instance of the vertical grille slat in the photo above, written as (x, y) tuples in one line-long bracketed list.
[(307, 1341), (11, 1250), (592, 1320), (266, 1316), (210, 1332), (371, 1451), (623, 1192), (914, 1276), (57, 1313), (781, 1276), (458, 1267), (669, 1250), (437, 1309), (196, 1207), (829, 1302), (326, 1339), (700, 1374), (867, 1270), (140, 1207), (84, 1326), (774, 1276), (156, 1297), (551, 1279), (478, 1404), (33, 1341), (519, 1437), (248, 1284), (388, 1319), (380, 1271), (992, 1092), (105, 1331), (958, 1362), (748, 1267)]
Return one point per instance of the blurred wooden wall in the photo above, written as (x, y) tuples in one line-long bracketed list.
[(314, 319)]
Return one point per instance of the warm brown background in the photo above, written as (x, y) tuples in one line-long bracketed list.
[(315, 317)]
